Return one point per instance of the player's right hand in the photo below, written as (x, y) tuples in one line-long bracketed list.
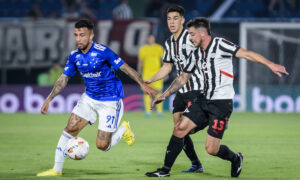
[(45, 107)]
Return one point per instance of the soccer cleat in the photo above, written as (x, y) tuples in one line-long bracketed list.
[(49, 172), (194, 168), (236, 165), (147, 114), (128, 135), (160, 115), (158, 173)]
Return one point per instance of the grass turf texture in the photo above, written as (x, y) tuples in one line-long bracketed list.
[(270, 144)]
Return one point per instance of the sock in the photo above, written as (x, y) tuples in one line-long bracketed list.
[(190, 151), (116, 137), (147, 103), (174, 148), (159, 107), (226, 154), (59, 153)]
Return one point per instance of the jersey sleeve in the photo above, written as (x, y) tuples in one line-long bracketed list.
[(113, 59), (191, 63), (229, 47), (167, 54), (70, 67)]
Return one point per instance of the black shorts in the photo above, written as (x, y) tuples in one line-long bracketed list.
[(212, 113), (183, 100)]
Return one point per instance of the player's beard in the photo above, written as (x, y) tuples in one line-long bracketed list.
[(84, 47)]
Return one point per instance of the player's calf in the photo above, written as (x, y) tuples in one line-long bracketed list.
[(103, 140)]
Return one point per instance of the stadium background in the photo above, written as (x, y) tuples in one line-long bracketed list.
[(29, 44)]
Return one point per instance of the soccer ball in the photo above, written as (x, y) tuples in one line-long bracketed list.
[(77, 148)]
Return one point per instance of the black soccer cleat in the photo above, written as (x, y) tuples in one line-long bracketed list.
[(236, 165), (160, 172)]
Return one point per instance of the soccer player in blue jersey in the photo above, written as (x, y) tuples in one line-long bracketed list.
[(102, 98)]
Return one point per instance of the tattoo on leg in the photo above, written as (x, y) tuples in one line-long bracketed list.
[(104, 136), (75, 124)]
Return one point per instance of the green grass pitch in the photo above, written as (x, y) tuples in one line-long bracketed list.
[(270, 144)]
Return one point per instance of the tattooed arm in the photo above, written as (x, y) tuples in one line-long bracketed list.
[(134, 75), (60, 84), (178, 83)]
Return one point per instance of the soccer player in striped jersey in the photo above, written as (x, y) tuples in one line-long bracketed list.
[(215, 106), (177, 50), (102, 97)]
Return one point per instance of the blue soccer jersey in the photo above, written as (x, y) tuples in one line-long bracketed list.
[(97, 68)]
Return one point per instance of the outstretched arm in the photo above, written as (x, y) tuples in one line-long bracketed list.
[(60, 84), (134, 75), (255, 57), (178, 83), (161, 73)]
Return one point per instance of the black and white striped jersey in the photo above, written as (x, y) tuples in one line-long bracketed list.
[(216, 68), (178, 52)]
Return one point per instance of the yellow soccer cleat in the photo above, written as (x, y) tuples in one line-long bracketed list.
[(128, 135), (49, 172)]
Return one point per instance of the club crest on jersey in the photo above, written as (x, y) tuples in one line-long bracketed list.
[(77, 56), (93, 54), (183, 46), (78, 63)]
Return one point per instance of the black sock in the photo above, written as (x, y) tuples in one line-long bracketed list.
[(190, 151), (174, 148), (226, 154)]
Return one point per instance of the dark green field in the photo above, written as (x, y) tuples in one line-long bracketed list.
[(270, 144)]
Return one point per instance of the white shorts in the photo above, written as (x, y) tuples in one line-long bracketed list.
[(109, 112)]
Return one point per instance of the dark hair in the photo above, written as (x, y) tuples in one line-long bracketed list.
[(176, 8), (200, 23), (84, 23)]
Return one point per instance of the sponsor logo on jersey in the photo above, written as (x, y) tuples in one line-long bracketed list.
[(117, 61), (90, 75), (84, 64)]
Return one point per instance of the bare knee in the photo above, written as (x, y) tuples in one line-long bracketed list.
[(102, 145), (180, 131), (211, 150)]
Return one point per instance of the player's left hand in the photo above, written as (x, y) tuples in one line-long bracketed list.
[(278, 69), (148, 90), (157, 101)]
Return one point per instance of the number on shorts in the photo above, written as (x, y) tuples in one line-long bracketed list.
[(110, 118), (221, 124)]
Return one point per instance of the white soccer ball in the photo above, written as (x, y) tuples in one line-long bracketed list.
[(77, 148)]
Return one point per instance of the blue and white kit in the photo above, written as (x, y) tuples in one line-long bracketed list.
[(104, 91)]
